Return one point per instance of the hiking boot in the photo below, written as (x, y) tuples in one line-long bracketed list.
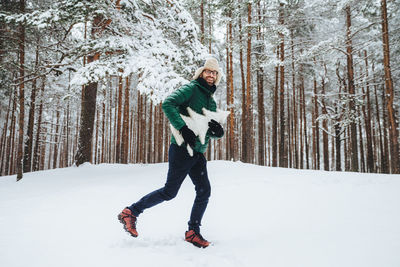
[(129, 221), (196, 239)]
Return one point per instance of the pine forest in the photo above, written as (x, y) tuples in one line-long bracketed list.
[(309, 84)]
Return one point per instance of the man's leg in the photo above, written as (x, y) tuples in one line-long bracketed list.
[(199, 177), (179, 165)]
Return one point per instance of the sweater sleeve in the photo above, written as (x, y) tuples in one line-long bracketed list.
[(171, 105), (213, 107)]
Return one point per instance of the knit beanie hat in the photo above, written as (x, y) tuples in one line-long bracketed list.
[(210, 64)]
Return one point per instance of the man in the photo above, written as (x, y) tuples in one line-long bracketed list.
[(196, 95)]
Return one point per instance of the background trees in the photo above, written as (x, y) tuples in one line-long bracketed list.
[(309, 84)]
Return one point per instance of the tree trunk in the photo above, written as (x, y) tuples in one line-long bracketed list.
[(29, 140), (43, 150), (56, 140), (351, 91), (249, 115), (110, 132), (166, 139), (143, 129), (316, 149), (132, 137), (260, 100), (67, 128), (75, 142), (202, 31), (231, 119), (96, 139), (362, 158), (89, 95), (325, 128), (294, 104), (67, 136), (243, 154), (303, 101), (228, 91), (10, 139), (88, 110), (3, 154), (149, 133), (119, 121), (36, 154), (51, 142), (386, 161), (103, 128), (139, 115), (338, 157), (161, 134), (393, 132), (283, 160), (337, 127), (21, 51), (88, 106), (275, 116), (261, 117), (289, 129), (156, 133), (368, 120), (14, 144), (125, 127), (382, 158)]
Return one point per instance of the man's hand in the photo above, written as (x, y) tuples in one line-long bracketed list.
[(215, 128), (188, 135)]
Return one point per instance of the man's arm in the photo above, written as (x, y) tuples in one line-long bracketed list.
[(215, 130), (171, 105)]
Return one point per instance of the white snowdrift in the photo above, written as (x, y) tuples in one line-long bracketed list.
[(257, 216)]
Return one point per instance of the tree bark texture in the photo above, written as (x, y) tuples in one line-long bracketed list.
[(351, 91), (21, 52), (394, 136)]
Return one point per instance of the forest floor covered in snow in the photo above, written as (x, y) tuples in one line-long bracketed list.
[(257, 216)]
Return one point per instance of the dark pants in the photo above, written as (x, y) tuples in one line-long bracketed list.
[(181, 164)]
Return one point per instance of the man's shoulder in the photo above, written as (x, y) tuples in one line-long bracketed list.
[(185, 90), (193, 84), (190, 86)]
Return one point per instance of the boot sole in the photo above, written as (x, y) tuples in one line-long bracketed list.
[(196, 244), (126, 230)]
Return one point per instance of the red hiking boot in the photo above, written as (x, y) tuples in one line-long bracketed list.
[(196, 239), (129, 221)]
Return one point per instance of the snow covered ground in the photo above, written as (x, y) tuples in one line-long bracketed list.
[(257, 216)]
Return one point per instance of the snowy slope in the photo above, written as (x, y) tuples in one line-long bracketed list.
[(257, 216)]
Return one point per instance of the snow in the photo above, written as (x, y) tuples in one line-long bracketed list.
[(159, 44), (257, 216)]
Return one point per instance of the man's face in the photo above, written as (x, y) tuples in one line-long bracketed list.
[(209, 76)]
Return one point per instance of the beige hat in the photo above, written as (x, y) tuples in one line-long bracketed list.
[(211, 64)]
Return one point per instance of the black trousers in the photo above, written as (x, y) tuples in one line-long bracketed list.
[(180, 165)]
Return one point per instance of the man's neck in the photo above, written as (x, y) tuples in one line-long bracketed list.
[(203, 82)]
